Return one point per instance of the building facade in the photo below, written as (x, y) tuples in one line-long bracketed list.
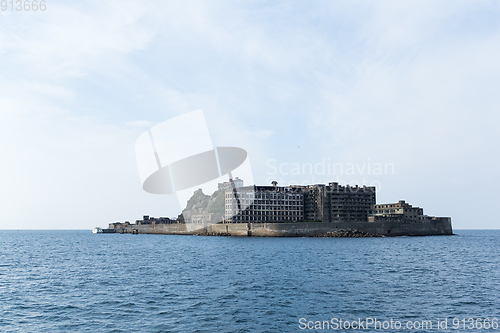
[(237, 182), (398, 212), (337, 203), (325, 203), (295, 203), (264, 204)]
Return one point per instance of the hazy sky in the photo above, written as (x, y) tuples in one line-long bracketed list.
[(400, 94)]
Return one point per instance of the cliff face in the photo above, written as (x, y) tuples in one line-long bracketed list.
[(202, 204)]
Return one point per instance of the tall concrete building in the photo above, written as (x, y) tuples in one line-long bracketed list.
[(325, 203), (264, 204), (334, 202)]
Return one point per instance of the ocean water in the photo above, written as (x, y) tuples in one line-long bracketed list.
[(71, 281)]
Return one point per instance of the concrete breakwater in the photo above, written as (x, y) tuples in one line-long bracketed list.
[(439, 226)]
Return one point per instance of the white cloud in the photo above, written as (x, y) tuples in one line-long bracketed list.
[(262, 134), (67, 42), (139, 123), (414, 83)]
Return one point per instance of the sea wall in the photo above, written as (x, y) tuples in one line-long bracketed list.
[(439, 226), (311, 229)]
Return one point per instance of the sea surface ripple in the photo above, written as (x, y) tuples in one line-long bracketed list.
[(67, 281)]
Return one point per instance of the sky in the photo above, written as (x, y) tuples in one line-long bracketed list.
[(402, 95)]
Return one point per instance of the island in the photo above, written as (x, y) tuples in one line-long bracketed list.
[(320, 210)]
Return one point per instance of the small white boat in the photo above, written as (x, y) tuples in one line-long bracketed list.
[(97, 230)]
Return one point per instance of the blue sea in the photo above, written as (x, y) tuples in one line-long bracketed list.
[(72, 281)]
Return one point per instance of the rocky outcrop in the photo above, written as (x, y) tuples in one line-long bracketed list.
[(209, 206)]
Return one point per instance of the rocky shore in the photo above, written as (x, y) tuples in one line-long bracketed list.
[(214, 233), (341, 233), (347, 233)]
